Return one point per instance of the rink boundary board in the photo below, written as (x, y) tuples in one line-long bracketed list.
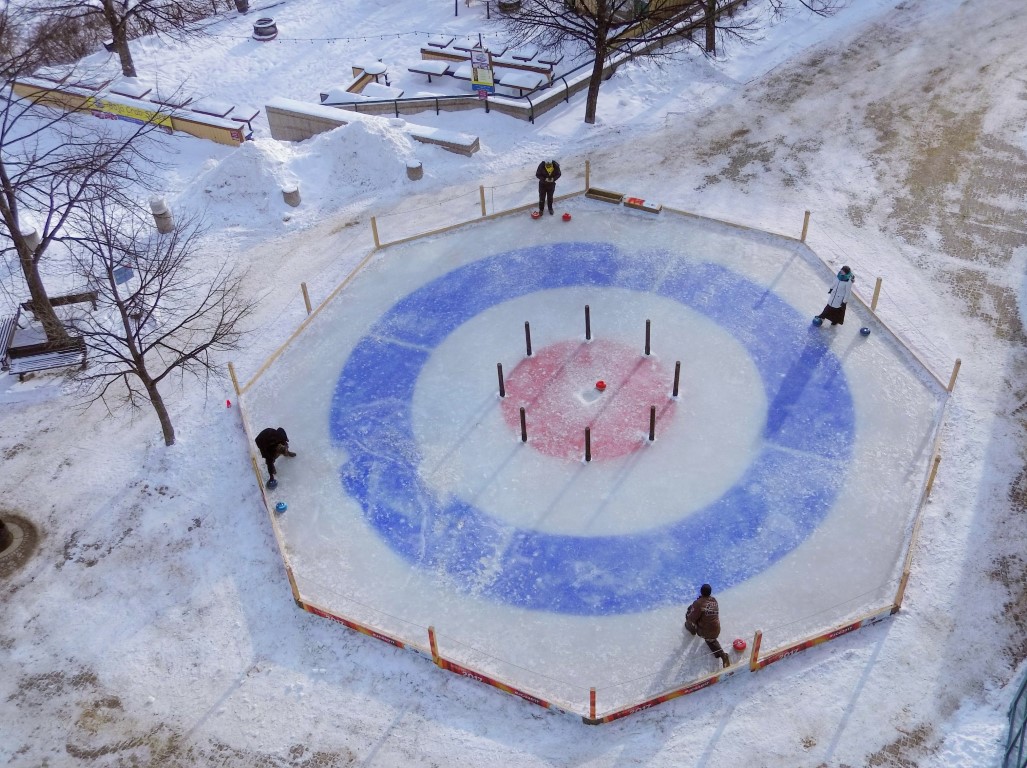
[(589, 713)]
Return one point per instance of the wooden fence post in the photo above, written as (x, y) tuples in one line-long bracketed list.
[(901, 591), (588, 170), (433, 643), (374, 231), (592, 703), (955, 372), (877, 293), (930, 479), (306, 297), (805, 227), (754, 656), (235, 381), (481, 194)]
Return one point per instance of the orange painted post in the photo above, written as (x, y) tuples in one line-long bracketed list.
[(805, 226), (374, 232), (306, 297), (434, 645), (481, 194), (955, 372), (930, 480), (754, 656), (877, 293), (235, 381), (592, 703)]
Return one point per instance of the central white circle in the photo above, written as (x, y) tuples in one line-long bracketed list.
[(468, 451)]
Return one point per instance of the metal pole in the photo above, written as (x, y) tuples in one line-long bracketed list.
[(647, 326), (527, 337), (677, 376), (652, 423), (524, 427), (502, 386), (588, 324), (588, 444)]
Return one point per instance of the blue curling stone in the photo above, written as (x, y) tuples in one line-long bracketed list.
[(864, 331), (281, 506), (818, 321), (272, 484)]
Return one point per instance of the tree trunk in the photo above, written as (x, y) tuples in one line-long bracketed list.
[(594, 83), (41, 306), (119, 35), (162, 412), (711, 27)]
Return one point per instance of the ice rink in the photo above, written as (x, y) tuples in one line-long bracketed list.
[(785, 473)]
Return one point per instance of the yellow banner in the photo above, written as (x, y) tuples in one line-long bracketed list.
[(127, 112)]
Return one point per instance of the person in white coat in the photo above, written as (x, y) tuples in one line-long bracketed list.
[(840, 293)]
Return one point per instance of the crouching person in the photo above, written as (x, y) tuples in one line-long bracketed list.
[(272, 443)]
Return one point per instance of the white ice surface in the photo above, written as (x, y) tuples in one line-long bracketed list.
[(849, 564)]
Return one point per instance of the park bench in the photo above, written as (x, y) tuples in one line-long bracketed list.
[(436, 67), (8, 325), (40, 357), (69, 298)]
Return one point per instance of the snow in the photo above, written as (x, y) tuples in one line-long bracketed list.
[(155, 623)]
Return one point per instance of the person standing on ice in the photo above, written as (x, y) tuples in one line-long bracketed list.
[(273, 443), (835, 309), (703, 619), (547, 173)]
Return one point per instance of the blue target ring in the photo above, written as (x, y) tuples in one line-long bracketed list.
[(781, 498)]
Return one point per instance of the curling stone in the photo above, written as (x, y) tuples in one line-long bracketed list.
[(738, 644), (281, 507), (566, 217), (818, 321), (272, 484), (601, 385), (864, 331), (535, 215)]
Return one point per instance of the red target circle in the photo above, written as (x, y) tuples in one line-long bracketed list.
[(557, 388)]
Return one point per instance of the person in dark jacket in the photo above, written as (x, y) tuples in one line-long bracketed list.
[(547, 173), (703, 619), (273, 443), (840, 293)]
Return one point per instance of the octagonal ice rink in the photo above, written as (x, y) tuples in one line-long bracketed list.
[(786, 472)]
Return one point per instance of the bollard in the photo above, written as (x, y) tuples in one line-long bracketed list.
[(291, 194), (502, 386), (162, 215)]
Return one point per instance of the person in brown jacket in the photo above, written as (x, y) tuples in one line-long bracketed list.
[(703, 619)]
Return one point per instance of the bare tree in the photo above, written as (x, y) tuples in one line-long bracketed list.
[(167, 318), (126, 19), (608, 28), (54, 163)]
